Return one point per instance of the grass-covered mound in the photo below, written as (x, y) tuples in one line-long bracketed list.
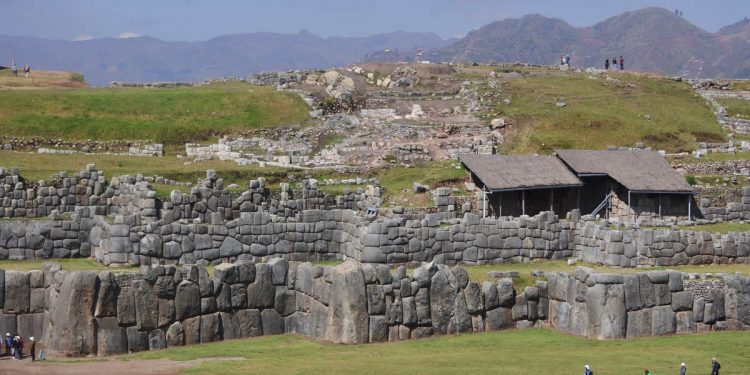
[(169, 116), (618, 109)]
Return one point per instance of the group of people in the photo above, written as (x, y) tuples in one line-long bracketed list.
[(14, 69), (715, 367), (14, 345), (565, 60), (616, 65)]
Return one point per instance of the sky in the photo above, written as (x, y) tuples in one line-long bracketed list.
[(191, 20)]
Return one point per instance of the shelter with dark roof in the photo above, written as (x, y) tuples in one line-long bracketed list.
[(629, 183), (522, 185)]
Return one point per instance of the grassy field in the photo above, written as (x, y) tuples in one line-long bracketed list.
[(74, 264), (601, 112), (530, 351), (718, 156), (722, 228), (35, 167), (169, 116), (40, 79), (736, 107)]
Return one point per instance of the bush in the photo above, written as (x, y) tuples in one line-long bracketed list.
[(691, 180)]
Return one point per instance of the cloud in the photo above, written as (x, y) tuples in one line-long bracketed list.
[(83, 38), (128, 35)]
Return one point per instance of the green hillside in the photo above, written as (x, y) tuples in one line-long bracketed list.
[(618, 109), (169, 116)]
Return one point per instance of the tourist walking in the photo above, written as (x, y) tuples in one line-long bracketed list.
[(7, 344), (606, 64), (33, 348), (26, 71), (14, 347), (587, 370), (614, 64), (715, 366), (20, 347), (683, 369), (622, 63), (14, 67)]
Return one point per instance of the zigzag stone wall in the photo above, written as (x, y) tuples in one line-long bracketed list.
[(87, 313), (655, 303), (342, 234)]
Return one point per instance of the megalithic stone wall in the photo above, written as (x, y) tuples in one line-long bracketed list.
[(654, 303), (88, 313)]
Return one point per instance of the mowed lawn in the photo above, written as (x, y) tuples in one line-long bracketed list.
[(601, 112), (531, 351), (169, 116)]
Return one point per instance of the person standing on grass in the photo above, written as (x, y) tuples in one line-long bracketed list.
[(587, 370), (606, 64), (715, 366), (683, 369), (26, 71), (33, 349), (622, 63), (14, 67)]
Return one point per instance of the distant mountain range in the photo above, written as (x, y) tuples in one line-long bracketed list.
[(146, 59), (651, 39)]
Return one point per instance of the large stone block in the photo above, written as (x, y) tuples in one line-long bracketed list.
[(73, 312), (146, 306), (17, 292), (639, 323), (632, 290), (126, 307), (474, 298), (273, 323), (137, 340), (682, 301), (684, 322), (442, 299), (378, 328), (157, 340), (662, 321), (279, 268), (187, 300), (614, 313), (111, 338), (489, 291), (506, 295), (175, 335), (192, 330), (261, 293), (348, 322), (8, 324), (211, 329), (250, 323), (106, 302), (461, 320), (31, 325), (499, 318)]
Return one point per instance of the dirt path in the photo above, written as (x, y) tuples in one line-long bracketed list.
[(104, 366)]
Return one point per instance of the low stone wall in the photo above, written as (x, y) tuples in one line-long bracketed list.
[(659, 247), (655, 303), (314, 235)]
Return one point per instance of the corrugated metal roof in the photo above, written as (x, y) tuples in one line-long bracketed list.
[(503, 172), (637, 170)]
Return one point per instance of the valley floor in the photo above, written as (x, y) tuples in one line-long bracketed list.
[(530, 351)]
